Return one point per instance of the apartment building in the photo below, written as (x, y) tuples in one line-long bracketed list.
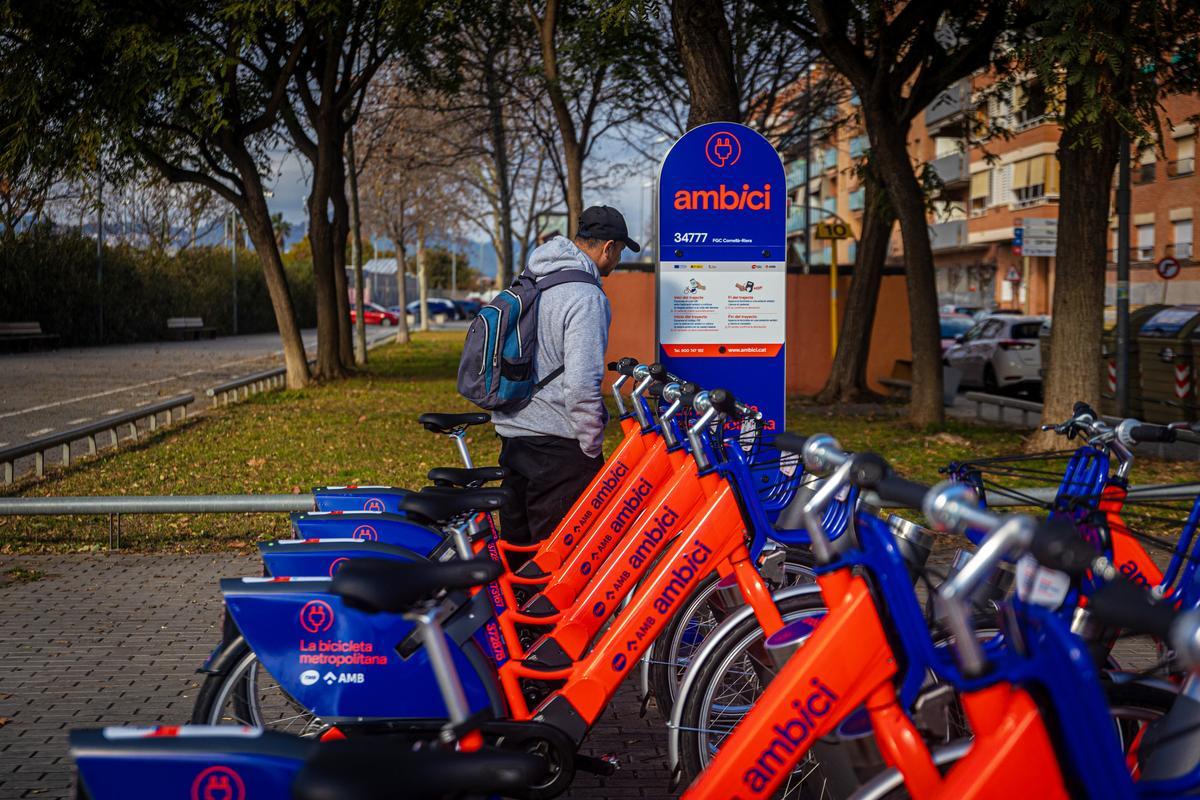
[(989, 185)]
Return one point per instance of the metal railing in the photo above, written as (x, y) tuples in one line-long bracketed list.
[(89, 432), (265, 381), (1026, 407)]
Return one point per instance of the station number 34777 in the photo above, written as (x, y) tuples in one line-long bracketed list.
[(690, 238)]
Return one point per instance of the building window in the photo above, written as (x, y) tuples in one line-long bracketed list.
[(1145, 243), (858, 146), (1185, 157), (1034, 180), (1182, 234), (1029, 105), (858, 199), (1145, 170), (981, 185)]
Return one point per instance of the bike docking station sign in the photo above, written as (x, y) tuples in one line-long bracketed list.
[(721, 272)]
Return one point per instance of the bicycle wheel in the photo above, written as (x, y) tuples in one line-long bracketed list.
[(674, 648), (242, 692), (728, 683)]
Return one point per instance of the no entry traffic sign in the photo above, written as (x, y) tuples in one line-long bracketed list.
[(1167, 268)]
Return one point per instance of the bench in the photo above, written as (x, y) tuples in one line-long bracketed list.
[(24, 336), (900, 383), (189, 328)]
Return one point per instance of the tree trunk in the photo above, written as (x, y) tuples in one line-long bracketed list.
[(1088, 155), (360, 325), (422, 279), (402, 334), (572, 148), (848, 376), (257, 217), (340, 235), (321, 238), (706, 52), (890, 147), (496, 97)]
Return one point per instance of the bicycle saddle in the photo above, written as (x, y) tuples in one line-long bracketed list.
[(445, 423), (369, 768), (462, 477), (441, 503), (376, 584)]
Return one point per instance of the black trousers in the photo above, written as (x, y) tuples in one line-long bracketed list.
[(547, 474)]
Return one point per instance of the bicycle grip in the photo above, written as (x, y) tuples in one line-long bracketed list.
[(1083, 408), (687, 392), (1056, 544), (1126, 605), (790, 442), (655, 390), (903, 492), (867, 470), (624, 366), (658, 372), (723, 400), (1152, 433)]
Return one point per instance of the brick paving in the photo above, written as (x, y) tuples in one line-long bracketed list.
[(116, 639)]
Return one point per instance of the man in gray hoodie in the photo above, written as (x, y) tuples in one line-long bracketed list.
[(552, 446)]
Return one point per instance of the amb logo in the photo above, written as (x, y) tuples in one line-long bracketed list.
[(218, 783), (374, 504), (316, 616), (366, 532)]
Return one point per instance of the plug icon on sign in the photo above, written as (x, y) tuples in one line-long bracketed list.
[(722, 149)]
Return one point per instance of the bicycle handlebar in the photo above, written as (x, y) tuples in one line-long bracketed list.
[(624, 366)]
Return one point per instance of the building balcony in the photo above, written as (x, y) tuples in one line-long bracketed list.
[(1180, 250), (1143, 173), (949, 108), (952, 170), (948, 235), (1181, 168), (795, 175)]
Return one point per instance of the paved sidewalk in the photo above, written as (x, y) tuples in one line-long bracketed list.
[(116, 639)]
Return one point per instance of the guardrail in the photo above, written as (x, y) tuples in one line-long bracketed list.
[(111, 425), (224, 393), (115, 506), (227, 392), (1026, 407)]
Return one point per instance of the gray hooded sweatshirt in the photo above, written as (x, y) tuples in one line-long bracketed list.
[(573, 323)]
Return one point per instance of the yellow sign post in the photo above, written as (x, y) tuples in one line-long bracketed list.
[(834, 231)]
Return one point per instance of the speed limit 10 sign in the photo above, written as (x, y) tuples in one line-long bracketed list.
[(832, 230)]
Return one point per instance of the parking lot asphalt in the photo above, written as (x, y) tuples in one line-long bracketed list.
[(115, 639)]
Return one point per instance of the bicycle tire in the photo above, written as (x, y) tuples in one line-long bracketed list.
[(693, 703), (666, 662)]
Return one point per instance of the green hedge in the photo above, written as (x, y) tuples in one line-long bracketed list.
[(49, 276)]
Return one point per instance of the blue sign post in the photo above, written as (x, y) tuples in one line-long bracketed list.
[(722, 281)]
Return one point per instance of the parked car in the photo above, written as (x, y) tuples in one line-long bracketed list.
[(440, 309), (970, 311), (999, 352), (374, 314), (469, 308), (951, 327)]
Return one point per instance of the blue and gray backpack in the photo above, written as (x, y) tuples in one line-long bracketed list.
[(499, 356)]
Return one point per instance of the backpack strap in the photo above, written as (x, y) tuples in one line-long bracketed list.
[(557, 279)]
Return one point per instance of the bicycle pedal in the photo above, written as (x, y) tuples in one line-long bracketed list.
[(605, 764)]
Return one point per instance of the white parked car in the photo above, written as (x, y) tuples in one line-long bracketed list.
[(999, 352)]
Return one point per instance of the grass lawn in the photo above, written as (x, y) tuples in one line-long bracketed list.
[(364, 430)]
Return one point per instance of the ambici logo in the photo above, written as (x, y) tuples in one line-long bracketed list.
[(366, 532), (648, 544), (316, 616), (789, 736), (609, 484), (724, 199)]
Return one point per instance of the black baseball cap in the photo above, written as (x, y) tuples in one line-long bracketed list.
[(605, 222)]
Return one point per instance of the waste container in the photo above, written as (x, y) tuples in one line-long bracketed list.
[(1108, 363), (1165, 344)]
